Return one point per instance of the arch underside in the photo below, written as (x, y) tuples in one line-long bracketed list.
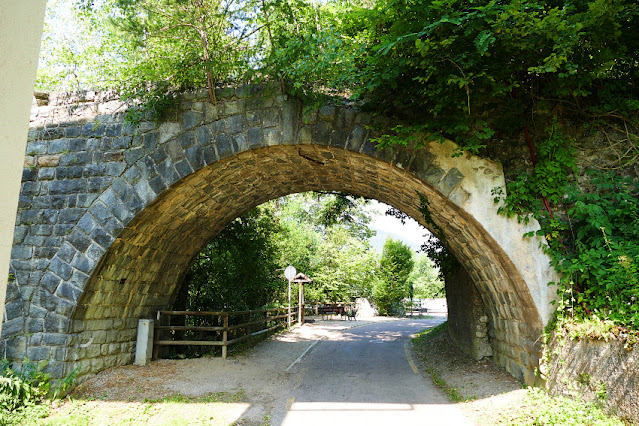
[(141, 271)]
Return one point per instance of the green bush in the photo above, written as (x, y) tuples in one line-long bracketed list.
[(599, 265), (21, 391)]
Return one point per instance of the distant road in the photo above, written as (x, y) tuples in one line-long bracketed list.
[(363, 376)]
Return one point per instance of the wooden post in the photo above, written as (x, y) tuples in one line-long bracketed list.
[(300, 313), (225, 335), (156, 335)]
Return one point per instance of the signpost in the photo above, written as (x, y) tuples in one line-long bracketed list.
[(301, 279), (289, 273)]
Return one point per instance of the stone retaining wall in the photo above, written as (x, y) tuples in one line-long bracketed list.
[(594, 370)]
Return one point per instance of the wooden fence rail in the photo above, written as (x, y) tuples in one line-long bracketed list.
[(218, 335)]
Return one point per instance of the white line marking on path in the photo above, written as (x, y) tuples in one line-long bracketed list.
[(299, 358)]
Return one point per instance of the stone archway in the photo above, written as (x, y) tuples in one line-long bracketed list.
[(128, 209)]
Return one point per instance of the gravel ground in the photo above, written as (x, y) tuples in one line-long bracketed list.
[(261, 375)]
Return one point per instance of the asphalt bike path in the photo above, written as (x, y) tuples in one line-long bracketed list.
[(365, 376)]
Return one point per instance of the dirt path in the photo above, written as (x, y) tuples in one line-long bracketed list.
[(247, 386)]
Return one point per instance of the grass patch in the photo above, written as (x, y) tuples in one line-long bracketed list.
[(239, 396), (220, 408), (424, 336), (539, 408)]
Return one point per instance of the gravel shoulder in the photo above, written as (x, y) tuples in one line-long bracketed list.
[(489, 394)]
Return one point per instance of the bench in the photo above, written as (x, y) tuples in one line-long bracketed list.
[(341, 310)]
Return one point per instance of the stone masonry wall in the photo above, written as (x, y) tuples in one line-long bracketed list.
[(111, 215), (467, 318), (594, 370)]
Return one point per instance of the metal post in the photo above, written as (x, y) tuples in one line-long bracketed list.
[(289, 303), (289, 273), (225, 335)]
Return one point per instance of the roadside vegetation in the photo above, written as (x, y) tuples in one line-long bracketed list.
[(24, 391)]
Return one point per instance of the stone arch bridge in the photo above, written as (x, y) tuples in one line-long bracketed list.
[(111, 215)]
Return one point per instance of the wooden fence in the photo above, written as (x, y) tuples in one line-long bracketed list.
[(217, 328)]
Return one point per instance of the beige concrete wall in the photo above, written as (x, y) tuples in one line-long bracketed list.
[(20, 33)]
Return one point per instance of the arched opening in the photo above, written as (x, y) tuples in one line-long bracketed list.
[(140, 272)]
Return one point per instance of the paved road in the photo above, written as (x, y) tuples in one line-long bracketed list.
[(363, 376)]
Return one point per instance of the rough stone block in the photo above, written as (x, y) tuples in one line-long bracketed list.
[(150, 141), (97, 184), (431, 175), (78, 240), (13, 310), (327, 113), (270, 117), (50, 282), (38, 353), (225, 146), (219, 126), (236, 124), (93, 130), (166, 170), (203, 136), (83, 263), (191, 119), (73, 131), (21, 252), (168, 131), (60, 268), (183, 169), (356, 138), (58, 146), (55, 339), (70, 215), (29, 174), (272, 136), (37, 148), (254, 137), (34, 325), (45, 174), (209, 155), (70, 172), (114, 129), (49, 161), (68, 291), (73, 186), (174, 149), (194, 157), (338, 138), (187, 139), (232, 107), (134, 154), (450, 181), (13, 327), (157, 184)]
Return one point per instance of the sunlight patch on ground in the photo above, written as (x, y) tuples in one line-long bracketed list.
[(180, 411), (318, 413)]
